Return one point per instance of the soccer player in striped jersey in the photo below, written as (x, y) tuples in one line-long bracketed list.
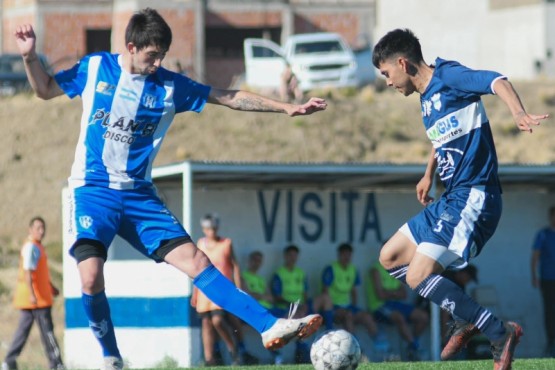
[(451, 231), (129, 102)]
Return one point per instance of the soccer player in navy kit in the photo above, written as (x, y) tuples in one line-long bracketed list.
[(452, 230), (129, 101)]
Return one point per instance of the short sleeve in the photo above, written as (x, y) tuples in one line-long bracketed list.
[(539, 240), (327, 276), (459, 77), (30, 254), (72, 81), (189, 95)]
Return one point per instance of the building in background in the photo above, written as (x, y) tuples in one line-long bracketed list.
[(514, 37), (208, 34)]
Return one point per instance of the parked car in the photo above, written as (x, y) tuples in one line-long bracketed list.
[(317, 59), (13, 78)]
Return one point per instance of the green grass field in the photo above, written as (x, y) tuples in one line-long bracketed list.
[(524, 364), (534, 364)]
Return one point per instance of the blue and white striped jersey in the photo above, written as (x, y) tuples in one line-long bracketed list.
[(125, 117), (457, 125)]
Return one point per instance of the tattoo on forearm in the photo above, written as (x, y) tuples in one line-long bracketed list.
[(254, 104)]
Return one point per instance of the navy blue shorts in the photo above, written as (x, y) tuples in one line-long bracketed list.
[(455, 228)]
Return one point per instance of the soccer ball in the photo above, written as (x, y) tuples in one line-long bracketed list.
[(335, 350)]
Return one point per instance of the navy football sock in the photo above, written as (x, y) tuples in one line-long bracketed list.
[(222, 292), (98, 312), (399, 273), (450, 297)]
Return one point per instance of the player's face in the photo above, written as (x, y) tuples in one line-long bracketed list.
[(210, 232), (37, 230), (256, 262), (395, 71), (147, 60), (345, 257), (290, 258)]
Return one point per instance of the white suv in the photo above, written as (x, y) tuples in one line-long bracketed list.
[(317, 59)]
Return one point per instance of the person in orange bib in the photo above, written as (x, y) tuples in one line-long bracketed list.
[(34, 295), (215, 321)]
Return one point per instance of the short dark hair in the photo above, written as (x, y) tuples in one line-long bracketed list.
[(37, 218), (291, 248), (255, 254), (146, 28), (397, 42), (551, 210), (344, 247)]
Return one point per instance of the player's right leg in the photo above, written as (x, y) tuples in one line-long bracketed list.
[(93, 229)]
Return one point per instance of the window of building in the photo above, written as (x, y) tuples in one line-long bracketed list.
[(98, 40), (228, 41)]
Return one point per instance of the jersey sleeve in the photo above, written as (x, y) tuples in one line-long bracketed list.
[(189, 95), (459, 77), (30, 254), (72, 81), (327, 276), (539, 240)]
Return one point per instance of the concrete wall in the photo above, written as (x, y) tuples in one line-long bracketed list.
[(509, 39), (315, 219)]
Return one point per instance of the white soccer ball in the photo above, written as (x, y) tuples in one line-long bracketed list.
[(335, 350)]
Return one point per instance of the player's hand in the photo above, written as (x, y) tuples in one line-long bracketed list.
[(311, 106), (33, 300), (423, 189), (525, 121), (25, 39)]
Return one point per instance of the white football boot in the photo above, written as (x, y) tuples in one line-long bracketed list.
[(286, 329)]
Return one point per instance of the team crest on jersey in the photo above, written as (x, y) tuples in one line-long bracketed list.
[(426, 108), (105, 88), (149, 101), (85, 221), (436, 101)]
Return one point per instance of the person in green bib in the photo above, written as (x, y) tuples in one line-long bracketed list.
[(255, 284), (290, 286), (386, 296), (339, 281)]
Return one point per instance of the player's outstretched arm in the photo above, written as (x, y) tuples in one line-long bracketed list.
[(247, 101), (42, 83), (524, 121)]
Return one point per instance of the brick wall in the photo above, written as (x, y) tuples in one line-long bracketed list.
[(243, 18), (221, 72), (65, 35), (63, 39), (9, 26), (344, 23)]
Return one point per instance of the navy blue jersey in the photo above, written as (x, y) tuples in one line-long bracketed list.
[(457, 125), (125, 117), (545, 243)]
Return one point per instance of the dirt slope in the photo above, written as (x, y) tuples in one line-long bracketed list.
[(39, 140)]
